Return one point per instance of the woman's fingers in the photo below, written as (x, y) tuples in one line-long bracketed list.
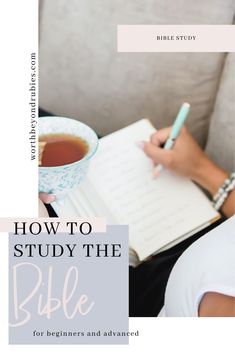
[(157, 154), (159, 137), (46, 198), (42, 211)]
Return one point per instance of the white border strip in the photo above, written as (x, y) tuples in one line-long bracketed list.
[(19, 174)]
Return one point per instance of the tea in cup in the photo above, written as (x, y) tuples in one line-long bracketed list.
[(68, 146)]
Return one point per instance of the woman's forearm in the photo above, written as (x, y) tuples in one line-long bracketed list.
[(211, 177)]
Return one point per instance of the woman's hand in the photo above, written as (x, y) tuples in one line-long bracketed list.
[(186, 158), (44, 198)]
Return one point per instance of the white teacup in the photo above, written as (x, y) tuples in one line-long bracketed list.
[(61, 179)]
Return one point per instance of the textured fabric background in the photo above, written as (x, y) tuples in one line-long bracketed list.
[(83, 76), (221, 140)]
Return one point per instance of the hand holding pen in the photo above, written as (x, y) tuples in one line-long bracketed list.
[(174, 132), (185, 157)]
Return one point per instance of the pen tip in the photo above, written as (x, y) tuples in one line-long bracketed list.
[(186, 105)]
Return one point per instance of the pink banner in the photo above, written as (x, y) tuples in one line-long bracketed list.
[(176, 38), (52, 225)]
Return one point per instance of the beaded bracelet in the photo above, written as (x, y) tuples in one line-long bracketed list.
[(223, 192)]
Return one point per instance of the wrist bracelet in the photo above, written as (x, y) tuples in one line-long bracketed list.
[(223, 192)]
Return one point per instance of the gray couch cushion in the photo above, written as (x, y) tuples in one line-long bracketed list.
[(221, 140), (83, 76)]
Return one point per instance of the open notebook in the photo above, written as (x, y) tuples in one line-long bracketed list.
[(120, 187)]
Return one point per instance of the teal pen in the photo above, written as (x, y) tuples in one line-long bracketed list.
[(175, 131)]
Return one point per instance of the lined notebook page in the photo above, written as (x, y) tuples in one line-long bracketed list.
[(120, 183)]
